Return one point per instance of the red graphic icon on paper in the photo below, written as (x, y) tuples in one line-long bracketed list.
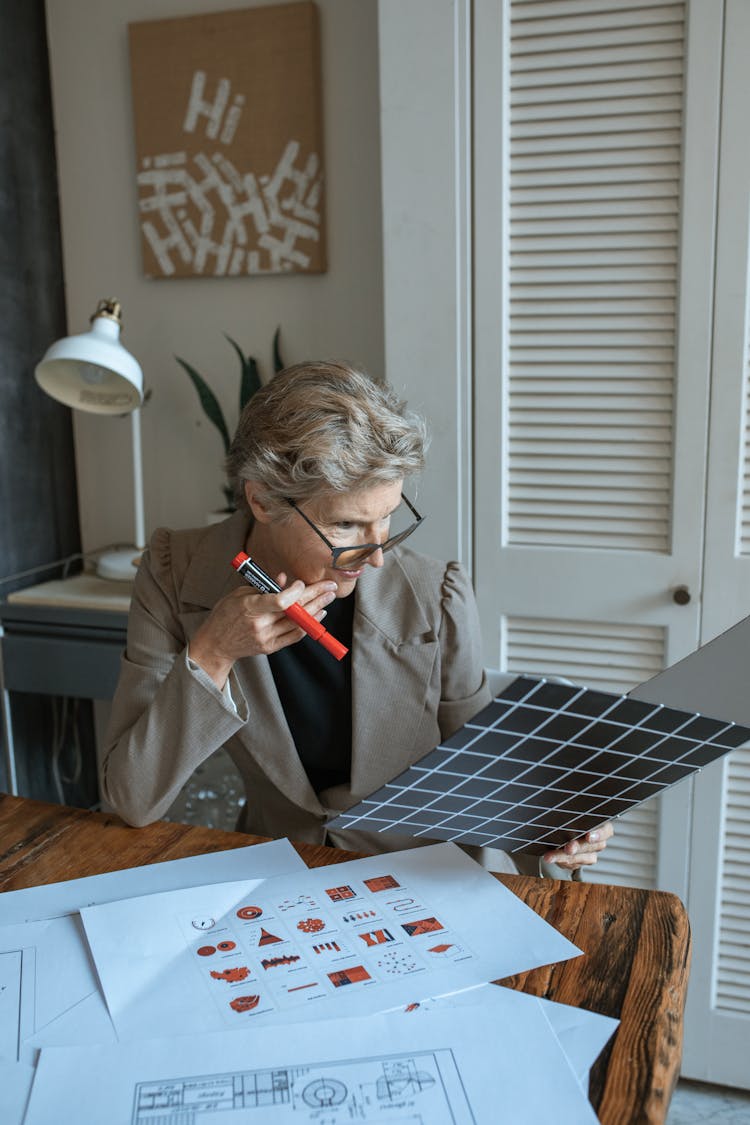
[(340, 894), (224, 946), (349, 976), (446, 945), (274, 962), (231, 976), (381, 883), (266, 938), (423, 926), (244, 1003), (360, 916), (206, 950), (311, 925), (327, 947), (377, 937), (249, 913)]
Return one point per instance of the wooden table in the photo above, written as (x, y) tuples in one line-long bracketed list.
[(636, 943)]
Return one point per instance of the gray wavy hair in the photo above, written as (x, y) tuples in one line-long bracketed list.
[(323, 427)]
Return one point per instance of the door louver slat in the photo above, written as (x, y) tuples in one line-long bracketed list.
[(595, 164)]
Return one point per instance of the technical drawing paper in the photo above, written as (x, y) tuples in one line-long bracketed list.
[(362, 936), (45, 969), (11, 984), (276, 857), (469, 1065)]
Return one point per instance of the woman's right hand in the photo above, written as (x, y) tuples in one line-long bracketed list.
[(248, 623)]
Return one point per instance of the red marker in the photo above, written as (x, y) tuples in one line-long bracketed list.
[(258, 578)]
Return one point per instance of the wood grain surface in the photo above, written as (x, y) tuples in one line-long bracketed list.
[(636, 943)]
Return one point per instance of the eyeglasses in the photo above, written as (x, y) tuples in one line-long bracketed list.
[(348, 558)]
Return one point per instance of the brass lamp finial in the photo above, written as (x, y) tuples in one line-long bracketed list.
[(111, 308)]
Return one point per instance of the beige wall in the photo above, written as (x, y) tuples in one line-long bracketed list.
[(339, 313)]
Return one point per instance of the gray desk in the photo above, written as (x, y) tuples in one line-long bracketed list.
[(61, 638)]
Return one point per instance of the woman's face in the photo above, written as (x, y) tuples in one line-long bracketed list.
[(346, 519)]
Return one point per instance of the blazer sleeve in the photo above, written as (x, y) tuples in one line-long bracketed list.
[(166, 719), (464, 688)]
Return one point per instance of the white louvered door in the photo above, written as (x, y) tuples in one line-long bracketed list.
[(593, 321), (717, 1039), (594, 160)]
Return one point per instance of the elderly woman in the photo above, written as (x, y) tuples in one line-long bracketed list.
[(318, 465)]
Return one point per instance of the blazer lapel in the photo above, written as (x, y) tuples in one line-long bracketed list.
[(393, 659)]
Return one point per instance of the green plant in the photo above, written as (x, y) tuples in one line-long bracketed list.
[(250, 382)]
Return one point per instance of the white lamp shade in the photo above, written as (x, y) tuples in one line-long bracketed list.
[(92, 372)]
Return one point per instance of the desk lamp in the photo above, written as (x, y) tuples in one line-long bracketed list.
[(93, 372)]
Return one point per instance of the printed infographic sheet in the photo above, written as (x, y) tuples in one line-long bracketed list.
[(358, 937), (475, 1064)]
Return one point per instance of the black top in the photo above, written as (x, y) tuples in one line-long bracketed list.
[(315, 690)]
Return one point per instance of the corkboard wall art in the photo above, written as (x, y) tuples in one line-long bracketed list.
[(228, 132)]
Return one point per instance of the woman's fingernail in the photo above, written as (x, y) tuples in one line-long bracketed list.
[(593, 837)]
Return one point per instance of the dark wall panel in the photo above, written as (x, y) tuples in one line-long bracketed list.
[(38, 506)]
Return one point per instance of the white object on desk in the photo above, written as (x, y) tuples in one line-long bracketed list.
[(82, 591), (476, 1064), (368, 935)]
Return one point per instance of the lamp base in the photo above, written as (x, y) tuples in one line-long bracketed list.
[(119, 565)]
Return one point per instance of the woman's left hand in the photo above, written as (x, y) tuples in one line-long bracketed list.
[(584, 851)]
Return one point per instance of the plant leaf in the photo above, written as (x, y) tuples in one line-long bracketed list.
[(250, 381), (208, 401), (249, 377), (278, 362)]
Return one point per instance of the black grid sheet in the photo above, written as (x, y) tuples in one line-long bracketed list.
[(543, 763)]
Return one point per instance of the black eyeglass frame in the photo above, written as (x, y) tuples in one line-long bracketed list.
[(369, 548)]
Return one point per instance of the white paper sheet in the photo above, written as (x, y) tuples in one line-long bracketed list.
[(359, 937), (478, 1064), (12, 986), (48, 987), (53, 971), (276, 857), (15, 1086), (582, 1035), (87, 1022)]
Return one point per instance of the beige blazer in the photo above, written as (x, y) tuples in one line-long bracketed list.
[(416, 677)]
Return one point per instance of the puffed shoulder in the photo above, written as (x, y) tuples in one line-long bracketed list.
[(456, 585), (157, 562), (195, 561), (429, 576), (168, 547), (446, 592)]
